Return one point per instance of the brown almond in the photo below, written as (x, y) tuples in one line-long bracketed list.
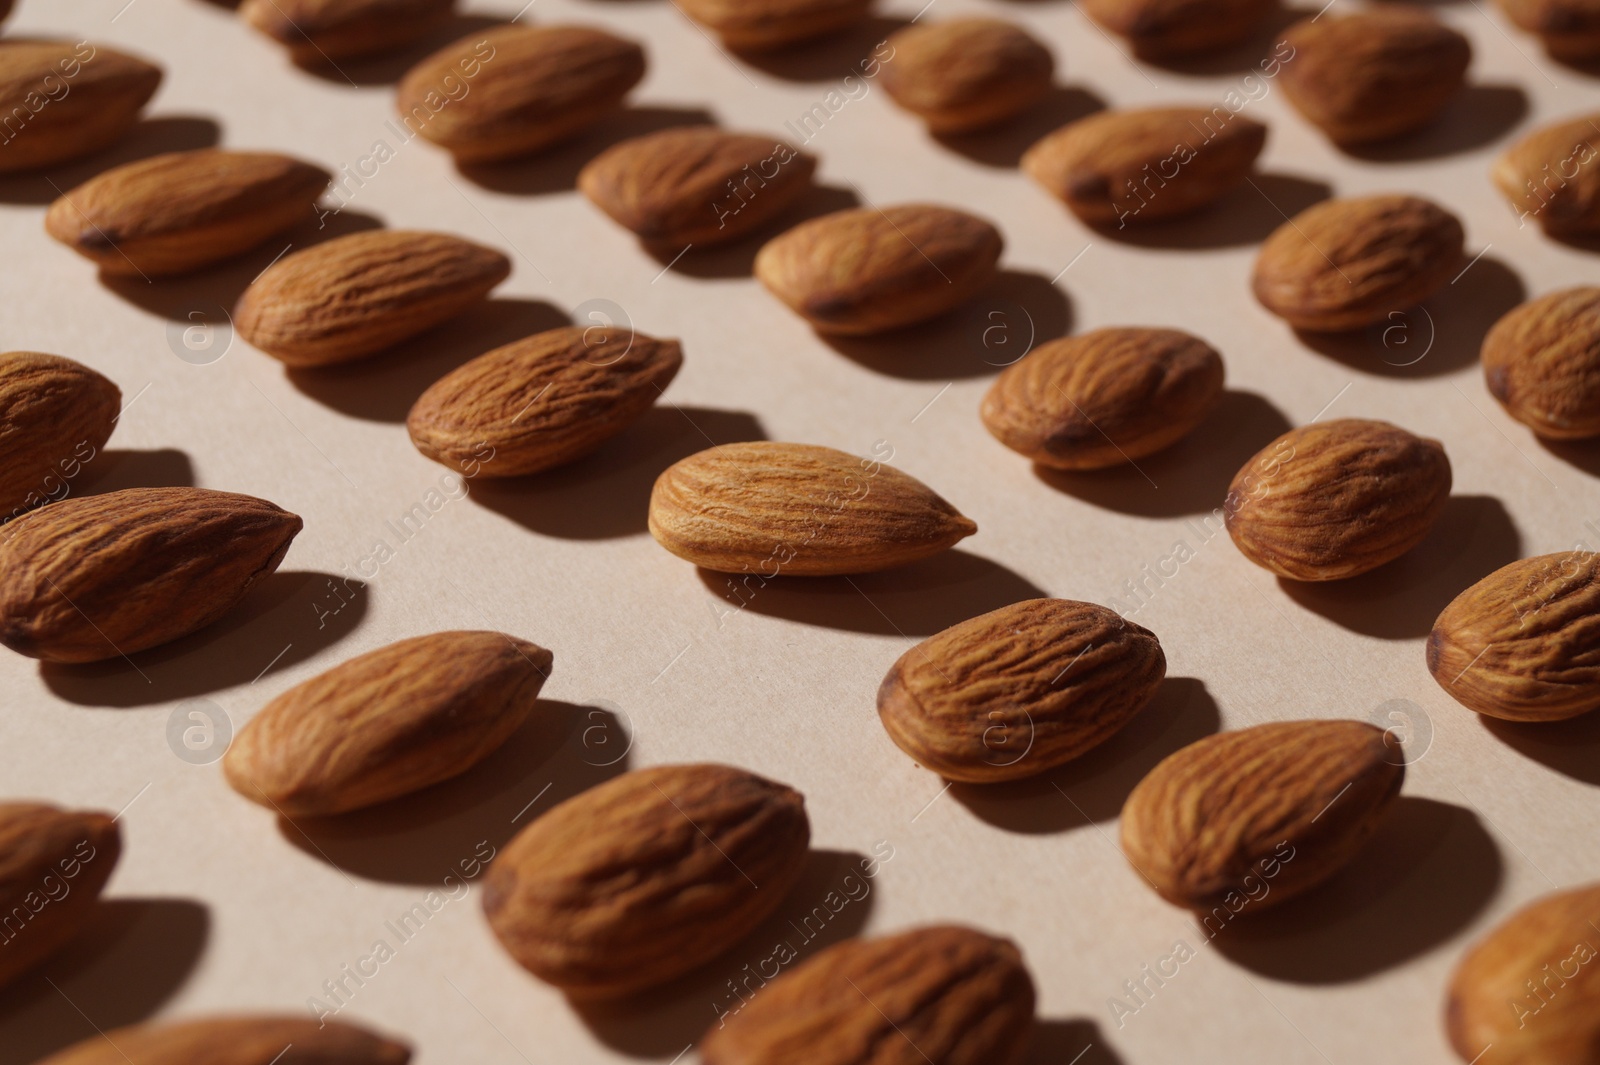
[(766, 25), (799, 510), (866, 270), (356, 295), (1550, 177), (967, 74), (242, 1040), (63, 100), (5, 9), (322, 31), (53, 865), (1105, 398), (1169, 29), (1569, 29), (1335, 499), (1347, 264), (105, 576), (55, 415), (939, 993), (1542, 362), (646, 876)]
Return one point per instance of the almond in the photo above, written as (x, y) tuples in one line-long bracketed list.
[(1104, 398), (1168, 29), (5, 9), (103, 576), (867, 270), (646, 876), (259, 1040), (1550, 176), (358, 294), (940, 993), (1335, 499), (53, 865), (1130, 167), (173, 213), (967, 74), (516, 90), (1347, 264), (325, 30), (1542, 362), (1570, 29), (696, 186), (797, 509), (55, 415), (543, 401), (1288, 804), (1523, 644), (764, 25), (62, 101)]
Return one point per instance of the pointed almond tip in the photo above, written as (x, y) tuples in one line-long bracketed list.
[(966, 525)]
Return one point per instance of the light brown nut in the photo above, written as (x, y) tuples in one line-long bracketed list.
[(322, 31), (1169, 29), (63, 100), (243, 1040), (1570, 29), (1542, 362), (697, 186), (646, 876), (517, 90), (1347, 264), (55, 415), (767, 25), (1105, 398), (1552, 176), (53, 865), (967, 74), (356, 295), (1019, 690), (798, 510), (104, 576), (864, 271), (940, 993), (1335, 499), (1124, 168)]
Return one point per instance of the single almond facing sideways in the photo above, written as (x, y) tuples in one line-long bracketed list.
[(1542, 362), (53, 865), (173, 213), (55, 415), (946, 994), (967, 74), (1286, 804), (646, 877), (356, 295), (64, 100), (864, 271), (1170, 29), (239, 1040), (322, 31), (767, 25), (1550, 177), (104, 576), (799, 510), (1569, 29), (1338, 498)]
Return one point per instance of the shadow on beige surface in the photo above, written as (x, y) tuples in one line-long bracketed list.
[(117, 468), (737, 259), (390, 67), (1002, 146), (150, 136), (1244, 217), (1475, 116), (1069, 1042), (1570, 747), (831, 58), (556, 170), (1584, 454)]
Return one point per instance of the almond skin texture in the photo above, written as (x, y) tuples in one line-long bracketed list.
[(321, 31), (697, 186), (174, 213), (55, 415), (527, 88), (767, 25), (356, 295), (78, 99), (864, 271), (646, 877), (1288, 803), (1550, 177), (1542, 362), (543, 401), (1335, 499), (236, 1041), (1169, 29), (942, 994), (387, 723), (1019, 690), (104, 576), (1104, 398), (1120, 168), (967, 74), (1348, 264), (798, 510), (1570, 29), (53, 865)]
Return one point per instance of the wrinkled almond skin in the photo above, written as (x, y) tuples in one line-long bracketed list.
[(104, 92), (768, 25), (1019, 690), (1550, 177), (1335, 499), (939, 993), (967, 74), (1120, 168), (55, 415), (528, 88), (1542, 362), (326, 30), (864, 271), (1523, 644), (174, 213), (646, 877), (798, 510), (1105, 398), (1347, 264), (1570, 29), (1169, 29), (542, 401), (1288, 803), (53, 865), (356, 295), (104, 576), (241, 1040)]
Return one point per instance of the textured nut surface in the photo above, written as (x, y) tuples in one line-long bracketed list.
[(42, 848), (1165, 29), (646, 876), (968, 73), (1570, 29), (55, 415), (763, 25), (1542, 362), (1552, 176), (326, 30), (242, 1040), (799, 510), (108, 88)]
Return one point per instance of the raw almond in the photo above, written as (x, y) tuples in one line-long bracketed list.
[(63, 101), (1104, 398), (1347, 264), (543, 401), (940, 993), (1019, 690), (1550, 177), (967, 74), (1335, 499), (1569, 29), (1132, 167), (1168, 29), (1542, 362), (177, 212), (105, 576), (867, 270), (326, 30), (356, 295), (764, 25), (1286, 804), (253, 1040), (798, 510), (55, 415), (53, 865), (646, 876)]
